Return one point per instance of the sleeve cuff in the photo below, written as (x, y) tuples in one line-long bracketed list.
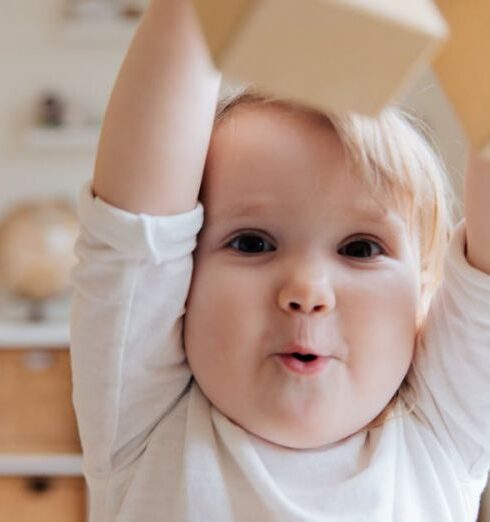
[(139, 236)]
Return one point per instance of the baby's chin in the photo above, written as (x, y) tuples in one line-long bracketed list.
[(300, 437)]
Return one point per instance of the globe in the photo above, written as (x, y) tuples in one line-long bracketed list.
[(36, 249)]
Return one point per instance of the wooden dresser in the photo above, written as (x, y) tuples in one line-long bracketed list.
[(40, 455)]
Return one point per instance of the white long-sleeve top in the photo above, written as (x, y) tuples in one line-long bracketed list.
[(155, 449)]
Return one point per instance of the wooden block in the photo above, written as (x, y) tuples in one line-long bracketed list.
[(36, 402), (463, 66), (42, 499), (331, 54)]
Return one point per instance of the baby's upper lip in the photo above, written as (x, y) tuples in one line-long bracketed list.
[(303, 350)]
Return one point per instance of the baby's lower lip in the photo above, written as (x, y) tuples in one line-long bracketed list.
[(305, 368)]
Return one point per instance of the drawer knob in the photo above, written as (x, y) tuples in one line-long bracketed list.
[(38, 484)]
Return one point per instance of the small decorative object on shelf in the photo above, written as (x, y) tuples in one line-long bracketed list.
[(36, 252), (63, 124), (51, 110), (97, 22), (55, 110), (96, 9), (132, 8)]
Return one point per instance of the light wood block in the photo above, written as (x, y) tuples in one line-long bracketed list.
[(36, 409), (463, 66), (42, 499), (331, 54)]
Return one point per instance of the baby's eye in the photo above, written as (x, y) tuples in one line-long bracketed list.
[(362, 248), (249, 243)]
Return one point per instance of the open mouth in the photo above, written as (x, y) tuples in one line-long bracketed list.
[(304, 357), (306, 364)]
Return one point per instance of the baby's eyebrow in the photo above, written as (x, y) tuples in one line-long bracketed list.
[(235, 212), (381, 217), (374, 215)]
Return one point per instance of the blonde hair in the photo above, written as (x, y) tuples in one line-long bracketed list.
[(395, 155)]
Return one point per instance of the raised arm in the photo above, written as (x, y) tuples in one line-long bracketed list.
[(158, 122), (130, 285), (477, 212), (451, 371)]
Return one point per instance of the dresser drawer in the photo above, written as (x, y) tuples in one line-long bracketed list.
[(42, 499), (36, 402)]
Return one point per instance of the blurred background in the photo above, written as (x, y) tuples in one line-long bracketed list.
[(59, 60)]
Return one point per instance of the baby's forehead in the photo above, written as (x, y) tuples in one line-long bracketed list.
[(256, 140), (268, 115), (266, 139)]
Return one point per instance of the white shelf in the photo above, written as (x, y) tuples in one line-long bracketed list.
[(79, 138), (16, 331), (45, 465), (95, 31), (21, 335)]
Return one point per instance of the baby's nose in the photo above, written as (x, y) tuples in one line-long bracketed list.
[(306, 308), (307, 297)]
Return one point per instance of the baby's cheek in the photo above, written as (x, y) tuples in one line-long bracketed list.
[(395, 297), (212, 302), (381, 326)]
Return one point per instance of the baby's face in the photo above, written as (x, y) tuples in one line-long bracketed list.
[(294, 251)]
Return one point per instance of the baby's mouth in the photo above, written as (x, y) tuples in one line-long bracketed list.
[(304, 357), (303, 363), (301, 352)]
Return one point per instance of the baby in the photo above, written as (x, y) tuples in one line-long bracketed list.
[(275, 315)]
